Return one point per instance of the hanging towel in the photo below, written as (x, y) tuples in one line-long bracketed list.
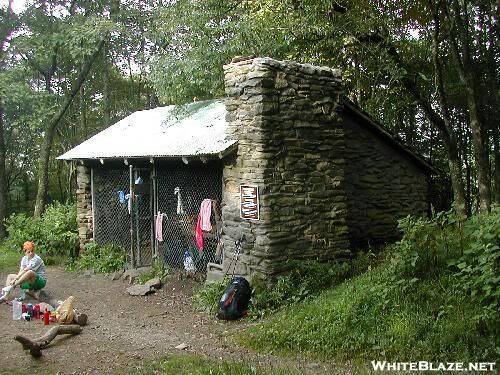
[(205, 213), (199, 234), (159, 226), (129, 203), (180, 207)]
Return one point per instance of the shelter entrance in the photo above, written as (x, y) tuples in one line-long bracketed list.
[(152, 212), (123, 206), (180, 191)]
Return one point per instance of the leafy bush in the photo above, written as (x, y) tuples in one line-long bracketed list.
[(207, 297), (108, 258), (467, 250), (55, 233), (478, 269), (427, 245)]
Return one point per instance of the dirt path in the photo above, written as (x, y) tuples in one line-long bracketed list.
[(125, 331)]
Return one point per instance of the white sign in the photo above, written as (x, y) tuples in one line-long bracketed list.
[(249, 202)]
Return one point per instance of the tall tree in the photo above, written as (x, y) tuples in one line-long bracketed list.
[(7, 26)]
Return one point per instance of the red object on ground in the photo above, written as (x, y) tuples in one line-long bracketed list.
[(46, 316)]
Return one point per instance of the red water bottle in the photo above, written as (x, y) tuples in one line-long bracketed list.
[(46, 316)]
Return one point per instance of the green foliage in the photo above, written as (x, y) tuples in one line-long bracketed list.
[(107, 258), (54, 234), (158, 270), (369, 317), (467, 250), (207, 297), (427, 245), (412, 305), (479, 266), (305, 280), (196, 365), (9, 258)]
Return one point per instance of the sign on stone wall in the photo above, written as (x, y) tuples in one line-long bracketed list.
[(249, 202)]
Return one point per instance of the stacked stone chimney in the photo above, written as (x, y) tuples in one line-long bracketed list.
[(290, 144)]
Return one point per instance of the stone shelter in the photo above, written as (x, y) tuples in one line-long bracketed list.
[(292, 170)]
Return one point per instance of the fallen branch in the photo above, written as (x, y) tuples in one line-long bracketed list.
[(35, 346)]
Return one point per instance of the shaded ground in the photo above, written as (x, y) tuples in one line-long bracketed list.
[(124, 331)]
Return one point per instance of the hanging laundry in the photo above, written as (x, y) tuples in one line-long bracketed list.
[(180, 207), (159, 226), (127, 197), (198, 234), (129, 201), (121, 197), (205, 213)]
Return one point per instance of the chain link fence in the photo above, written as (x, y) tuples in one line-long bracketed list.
[(176, 192), (181, 190), (111, 217)]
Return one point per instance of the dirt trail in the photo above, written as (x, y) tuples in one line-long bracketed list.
[(124, 331)]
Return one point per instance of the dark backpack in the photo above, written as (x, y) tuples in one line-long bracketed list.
[(234, 302)]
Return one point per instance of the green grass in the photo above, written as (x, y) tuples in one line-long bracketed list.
[(367, 317), (9, 259), (197, 365)]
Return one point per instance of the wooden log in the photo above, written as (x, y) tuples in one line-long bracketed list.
[(35, 346)]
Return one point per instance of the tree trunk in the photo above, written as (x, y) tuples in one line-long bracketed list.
[(106, 89), (43, 162), (465, 67), (446, 128), (446, 133), (496, 144), (3, 179)]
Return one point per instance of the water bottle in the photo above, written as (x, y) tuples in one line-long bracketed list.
[(46, 316), (17, 310), (29, 309)]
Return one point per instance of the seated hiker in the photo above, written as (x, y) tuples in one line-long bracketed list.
[(31, 275)]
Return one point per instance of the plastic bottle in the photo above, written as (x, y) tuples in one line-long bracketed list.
[(17, 310), (46, 316), (29, 309)]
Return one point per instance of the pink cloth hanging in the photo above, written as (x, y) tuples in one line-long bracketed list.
[(205, 213), (159, 226), (199, 234)]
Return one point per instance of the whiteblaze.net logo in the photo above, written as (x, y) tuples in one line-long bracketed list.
[(430, 366)]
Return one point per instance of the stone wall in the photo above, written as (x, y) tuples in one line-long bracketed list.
[(290, 144), (84, 205), (382, 184)]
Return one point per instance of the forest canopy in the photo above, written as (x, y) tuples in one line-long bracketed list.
[(426, 69)]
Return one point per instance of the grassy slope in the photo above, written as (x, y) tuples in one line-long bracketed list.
[(364, 318)]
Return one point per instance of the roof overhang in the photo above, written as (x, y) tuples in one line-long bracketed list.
[(192, 131)]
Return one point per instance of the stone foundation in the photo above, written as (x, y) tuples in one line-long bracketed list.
[(84, 205)]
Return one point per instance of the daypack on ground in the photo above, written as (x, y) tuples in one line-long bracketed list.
[(234, 302)]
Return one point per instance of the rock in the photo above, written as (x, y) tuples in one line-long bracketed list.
[(116, 275), (182, 346), (153, 283), (139, 290), (131, 274)]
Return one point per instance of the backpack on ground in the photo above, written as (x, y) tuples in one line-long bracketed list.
[(234, 302)]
